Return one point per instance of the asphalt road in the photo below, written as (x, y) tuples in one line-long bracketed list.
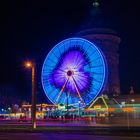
[(107, 123), (57, 136)]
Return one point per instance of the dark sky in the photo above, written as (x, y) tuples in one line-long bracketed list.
[(29, 29)]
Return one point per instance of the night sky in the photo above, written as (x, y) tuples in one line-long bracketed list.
[(29, 29)]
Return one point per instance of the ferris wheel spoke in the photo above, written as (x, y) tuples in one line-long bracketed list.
[(83, 43), (80, 83), (59, 51), (76, 43), (70, 43), (52, 60), (81, 79), (95, 66), (95, 89), (79, 95), (97, 73), (86, 50), (87, 97), (61, 70), (76, 61), (55, 55), (94, 60), (97, 80), (92, 53), (61, 91), (78, 64), (80, 75), (64, 46)]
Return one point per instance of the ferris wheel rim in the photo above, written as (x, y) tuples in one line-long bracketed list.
[(62, 43)]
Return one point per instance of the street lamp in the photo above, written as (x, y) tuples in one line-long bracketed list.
[(132, 100), (31, 65)]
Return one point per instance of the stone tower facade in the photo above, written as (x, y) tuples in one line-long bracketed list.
[(108, 41)]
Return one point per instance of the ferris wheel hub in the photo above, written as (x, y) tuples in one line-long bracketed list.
[(70, 73)]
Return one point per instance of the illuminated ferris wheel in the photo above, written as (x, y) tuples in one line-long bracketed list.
[(74, 70)]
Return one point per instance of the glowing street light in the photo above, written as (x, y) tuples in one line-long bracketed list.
[(30, 64), (132, 100), (9, 108)]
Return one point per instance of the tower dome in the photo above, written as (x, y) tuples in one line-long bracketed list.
[(97, 30)]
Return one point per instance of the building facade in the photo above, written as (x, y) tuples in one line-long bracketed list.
[(108, 41)]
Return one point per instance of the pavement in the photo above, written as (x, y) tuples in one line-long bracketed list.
[(84, 130), (57, 136), (70, 127), (106, 123)]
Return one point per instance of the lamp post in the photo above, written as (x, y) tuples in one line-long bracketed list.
[(31, 65), (79, 108)]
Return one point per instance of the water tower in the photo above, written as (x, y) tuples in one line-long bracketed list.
[(97, 30)]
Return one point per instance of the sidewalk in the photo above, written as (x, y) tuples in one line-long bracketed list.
[(72, 129)]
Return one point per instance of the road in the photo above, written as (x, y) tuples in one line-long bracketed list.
[(59, 136), (70, 123)]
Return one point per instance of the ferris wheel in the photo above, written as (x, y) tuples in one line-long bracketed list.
[(73, 71)]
